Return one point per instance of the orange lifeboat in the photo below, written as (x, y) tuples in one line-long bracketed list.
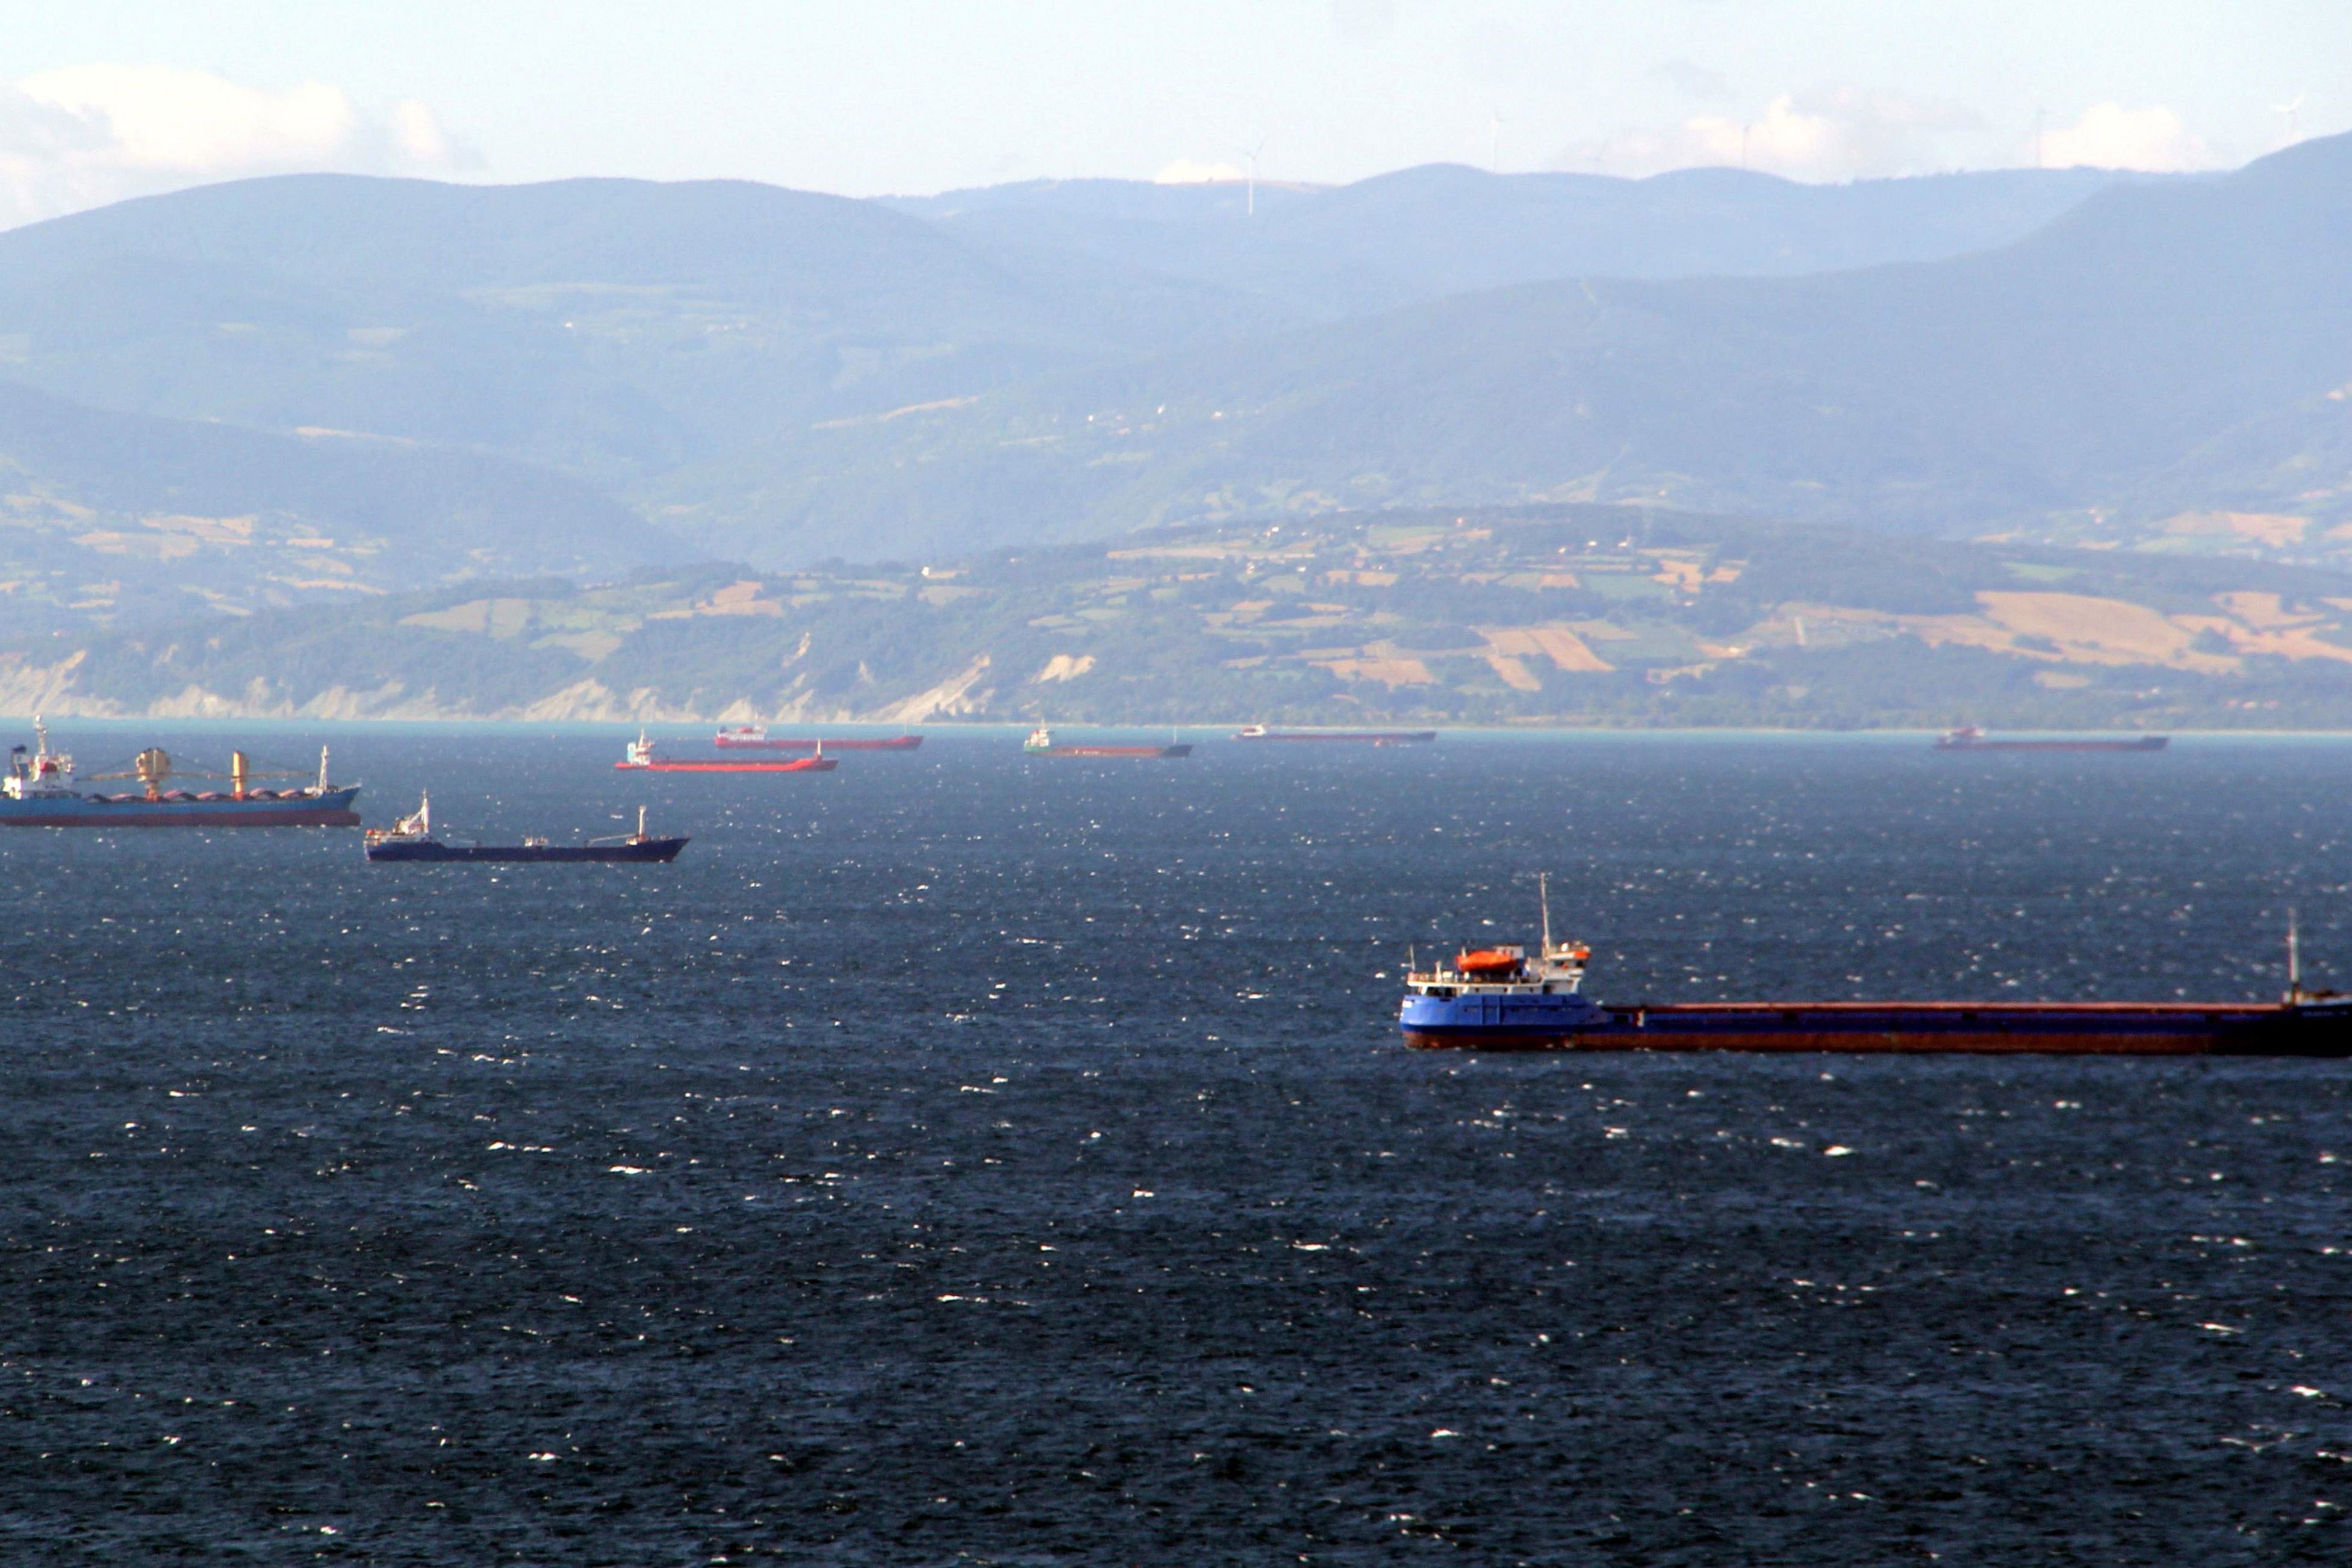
[(1490, 962)]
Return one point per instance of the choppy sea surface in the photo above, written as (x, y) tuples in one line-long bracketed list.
[(964, 1159)]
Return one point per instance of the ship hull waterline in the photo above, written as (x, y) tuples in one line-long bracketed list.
[(330, 810), (2093, 1028), (799, 766), (1145, 754), (428, 852), (840, 743), (1344, 738), (2149, 743)]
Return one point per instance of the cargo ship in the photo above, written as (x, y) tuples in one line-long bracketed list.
[(755, 738), (640, 756), (411, 838), (40, 792), (1503, 999), (1040, 743), (1969, 738), (1361, 737)]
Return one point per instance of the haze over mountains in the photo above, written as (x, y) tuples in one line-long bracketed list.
[(1419, 234), (255, 393), (2158, 350)]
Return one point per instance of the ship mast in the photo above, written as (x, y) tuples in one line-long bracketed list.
[(2293, 960), (1543, 896)]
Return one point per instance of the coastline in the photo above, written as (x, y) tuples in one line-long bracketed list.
[(1195, 729)]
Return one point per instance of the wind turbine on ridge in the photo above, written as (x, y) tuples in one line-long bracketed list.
[(2288, 110), (1250, 210)]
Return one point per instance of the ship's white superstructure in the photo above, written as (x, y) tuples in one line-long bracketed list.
[(1505, 970), (43, 776)]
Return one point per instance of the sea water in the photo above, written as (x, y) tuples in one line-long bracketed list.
[(960, 1157)]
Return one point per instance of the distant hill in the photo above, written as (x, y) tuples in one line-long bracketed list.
[(779, 377), (109, 518), (2156, 349), (658, 339), (1424, 233), (614, 328), (1556, 614)]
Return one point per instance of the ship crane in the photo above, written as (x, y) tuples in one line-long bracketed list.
[(154, 768)]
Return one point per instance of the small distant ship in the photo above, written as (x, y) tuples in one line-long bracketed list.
[(640, 755), (411, 838), (38, 792), (1040, 743), (1502, 999), (1362, 737), (1969, 738), (755, 737)]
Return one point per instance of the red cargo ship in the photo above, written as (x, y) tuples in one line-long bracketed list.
[(755, 738), (640, 756)]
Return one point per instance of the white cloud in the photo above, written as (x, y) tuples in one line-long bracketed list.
[(1185, 171), (2110, 136), (87, 135), (1824, 133)]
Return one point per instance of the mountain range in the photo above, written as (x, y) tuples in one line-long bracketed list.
[(316, 386), (2156, 353)]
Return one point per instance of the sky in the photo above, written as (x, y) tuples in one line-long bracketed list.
[(101, 99)]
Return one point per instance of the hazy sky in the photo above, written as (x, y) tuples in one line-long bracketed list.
[(99, 99)]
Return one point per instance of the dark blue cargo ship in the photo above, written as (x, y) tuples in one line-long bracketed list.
[(411, 838)]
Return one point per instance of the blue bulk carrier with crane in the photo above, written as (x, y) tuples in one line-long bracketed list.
[(1502, 999), (38, 792)]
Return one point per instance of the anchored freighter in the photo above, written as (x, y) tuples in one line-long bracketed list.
[(1969, 738), (755, 738), (1359, 737), (1501, 998), (411, 838), (39, 792), (639, 753), (1040, 744)]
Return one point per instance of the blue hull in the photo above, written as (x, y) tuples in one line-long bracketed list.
[(181, 809), (1574, 1023), (1535, 1017)]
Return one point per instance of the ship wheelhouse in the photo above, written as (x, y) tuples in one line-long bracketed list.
[(1557, 969), (43, 774)]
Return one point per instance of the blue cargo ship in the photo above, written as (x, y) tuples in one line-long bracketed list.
[(1503, 998), (40, 792)]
